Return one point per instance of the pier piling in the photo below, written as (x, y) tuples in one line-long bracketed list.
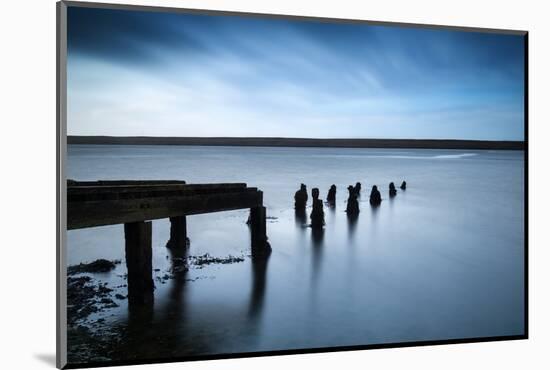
[(139, 262), (178, 233), (258, 235), (135, 203)]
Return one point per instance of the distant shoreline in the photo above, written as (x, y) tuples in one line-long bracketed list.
[(299, 142)]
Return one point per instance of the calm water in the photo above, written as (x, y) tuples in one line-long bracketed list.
[(443, 259)]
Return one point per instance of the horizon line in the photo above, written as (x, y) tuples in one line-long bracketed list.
[(288, 138), (301, 142)]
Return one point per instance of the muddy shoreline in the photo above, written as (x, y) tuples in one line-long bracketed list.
[(90, 337)]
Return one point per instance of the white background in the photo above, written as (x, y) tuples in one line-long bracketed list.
[(27, 197)]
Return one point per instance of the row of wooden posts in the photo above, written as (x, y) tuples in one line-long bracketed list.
[(136, 203), (352, 208)]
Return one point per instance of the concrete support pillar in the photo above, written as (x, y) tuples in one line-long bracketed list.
[(178, 233), (139, 262), (260, 245)]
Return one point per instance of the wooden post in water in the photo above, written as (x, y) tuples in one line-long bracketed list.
[(260, 245), (139, 262), (178, 233)]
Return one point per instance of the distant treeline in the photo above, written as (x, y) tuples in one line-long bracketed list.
[(299, 142)]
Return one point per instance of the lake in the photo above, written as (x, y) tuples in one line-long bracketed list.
[(444, 259)]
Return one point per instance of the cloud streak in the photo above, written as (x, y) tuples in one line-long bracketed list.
[(160, 74)]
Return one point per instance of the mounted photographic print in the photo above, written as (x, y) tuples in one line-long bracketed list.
[(235, 185)]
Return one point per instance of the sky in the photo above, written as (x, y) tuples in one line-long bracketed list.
[(134, 73)]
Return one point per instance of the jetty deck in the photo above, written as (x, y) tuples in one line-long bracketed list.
[(135, 203)]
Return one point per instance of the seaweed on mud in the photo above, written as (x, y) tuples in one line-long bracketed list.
[(183, 264), (87, 345), (206, 259), (85, 296), (100, 265), (97, 341)]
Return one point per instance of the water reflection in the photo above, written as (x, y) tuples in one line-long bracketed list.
[(140, 316), (366, 272), (352, 225), (374, 211), (177, 291), (317, 242), (161, 325), (317, 237), (133, 337), (300, 217), (257, 294)]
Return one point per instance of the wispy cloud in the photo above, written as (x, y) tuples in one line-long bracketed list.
[(134, 73)]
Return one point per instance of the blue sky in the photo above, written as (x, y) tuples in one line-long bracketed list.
[(164, 74)]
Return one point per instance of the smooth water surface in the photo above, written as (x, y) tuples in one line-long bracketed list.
[(442, 260)]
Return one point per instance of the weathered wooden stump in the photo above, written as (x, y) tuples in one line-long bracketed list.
[(352, 207), (178, 233), (375, 197), (331, 196), (393, 191), (300, 198), (317, 214), (357, 189), (139, 262), (258, 235)]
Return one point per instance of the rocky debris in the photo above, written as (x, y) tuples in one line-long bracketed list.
[(393, 191), (403, 185), (165, 277), (94, 339), (100, 265), (272, 219), (375, 197), (180, 268), (317, 214), (86, 296), (331, 196), (300, 197), (85, 345), (300, 216), (352, 207), (206, 259), (183, 264)]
